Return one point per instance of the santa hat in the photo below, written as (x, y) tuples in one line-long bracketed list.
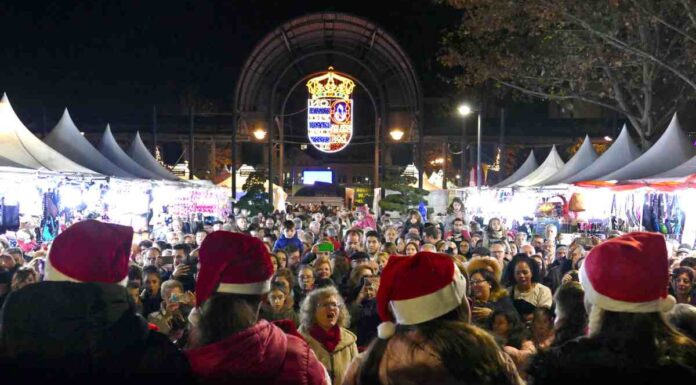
[(628, 274), (90, 251), (233, 263), (417, 289)]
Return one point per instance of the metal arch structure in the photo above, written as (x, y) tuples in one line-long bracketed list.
[(358, 48)]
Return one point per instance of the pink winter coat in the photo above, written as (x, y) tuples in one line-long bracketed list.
[(262, 354)]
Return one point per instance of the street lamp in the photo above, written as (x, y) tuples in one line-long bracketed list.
[(259, 133), (465, 110), (396, 134)]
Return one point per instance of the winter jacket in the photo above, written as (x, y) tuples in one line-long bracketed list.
[(283, 242), (594, 360), (410, 360), (337, 361), (261, 354), (268, 314), (364, 321), (83, 333)]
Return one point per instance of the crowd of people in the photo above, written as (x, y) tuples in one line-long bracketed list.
[(323, 295)]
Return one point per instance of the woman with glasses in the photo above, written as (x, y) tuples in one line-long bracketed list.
[(488, 296), (324, 319)]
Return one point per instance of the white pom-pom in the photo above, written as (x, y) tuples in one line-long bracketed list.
[(667, 303), (385, 330)]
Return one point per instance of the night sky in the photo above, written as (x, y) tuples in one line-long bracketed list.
[(113, 60)]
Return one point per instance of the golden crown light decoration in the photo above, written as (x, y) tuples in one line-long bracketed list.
[(330, 111)]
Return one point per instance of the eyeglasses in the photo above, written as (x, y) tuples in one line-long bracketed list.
[(329, 305), (478, 281)]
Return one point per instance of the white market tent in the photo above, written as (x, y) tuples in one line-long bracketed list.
[(525, 169), (110, 149), (584, 157), (551, 165), (671, 150), (67, 139), (20, 146), (621, 153), (685, 169), (139, 153)]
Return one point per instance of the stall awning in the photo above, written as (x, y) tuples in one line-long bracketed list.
[(525, 169), (585, 156), (551, 165), (139, 153), (110, 149)]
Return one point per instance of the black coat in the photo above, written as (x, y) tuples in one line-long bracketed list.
[(593, 361), (82, 333)]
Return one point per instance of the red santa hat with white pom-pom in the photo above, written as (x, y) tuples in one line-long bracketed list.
[(628, 274), (418, 289), (233, 263)]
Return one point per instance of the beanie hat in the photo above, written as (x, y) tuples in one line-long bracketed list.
[(417, 289), (628, 274), (90, 251), (233, 263)]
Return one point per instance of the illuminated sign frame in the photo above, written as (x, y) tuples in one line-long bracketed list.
[(330, 112)]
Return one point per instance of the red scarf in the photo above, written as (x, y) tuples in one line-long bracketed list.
[(329, 339)]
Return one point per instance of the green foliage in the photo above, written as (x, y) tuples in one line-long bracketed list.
[(256, 198), (634, 57), (408, 197)]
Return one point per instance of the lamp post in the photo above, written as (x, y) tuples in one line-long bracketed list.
[(465, 110)]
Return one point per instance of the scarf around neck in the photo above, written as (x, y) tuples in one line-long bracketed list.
[(328, 339)]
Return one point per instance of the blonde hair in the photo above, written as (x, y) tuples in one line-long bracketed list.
[(321, 261)]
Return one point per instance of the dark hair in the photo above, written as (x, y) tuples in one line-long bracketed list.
[(497, 291), (454, 341), (145, 243), (287, 274), (516, 334), (457, 220), (688, 262), (649, 338), (14, 250), (225, 314), (149, 270), (683, 270), (134, 272), (182, 246), (683, 318), (290, 225), (571, 313), (431, 231), (509, 273), (290, 248), (133, 285), (371, 233), (450, 208)]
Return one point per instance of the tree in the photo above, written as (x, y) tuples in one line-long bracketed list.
[(255, 198), (407, 198), (636, 57)]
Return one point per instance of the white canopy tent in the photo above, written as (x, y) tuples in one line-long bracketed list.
[(525, 169), (585, 156), (621, 153), (67, 139), (671, 150), (139, 153), (20, 146), (110, 149), (685, 169), (551, 165)]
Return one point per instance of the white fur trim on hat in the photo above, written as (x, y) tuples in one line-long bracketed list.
[(385, 330), (430, 306), (52, 274), (262, 287), (606, 303)]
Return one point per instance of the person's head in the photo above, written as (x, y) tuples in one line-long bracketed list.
[(289, 229), (538, 242), (270, 223), (325, 249), (577, 254), (571, 316), (284, 277), (390, 248), (383, 259), (16, 254), (485, 286), (390, 235), (152, 280), (293, 255), (494, 224), (414, 217), (282, 259), (324, 308), (274, 260), (429, 247), (22, 277), (683, 281), (279, 297), (359, 258), (200, 237), (353, 241), (476, 237), (683, 318), (411, 249), (561, 251), (542, 322), (688, 262), (306, 278), (527, 249), (502, 322), (153, 257), (188, 239), (181, 253), (524, 271), (372, 243), (520, 238), (456, 205), (134, 291), (322, 267), (480, 252), (431, 234), (497, 251), (551, 232)]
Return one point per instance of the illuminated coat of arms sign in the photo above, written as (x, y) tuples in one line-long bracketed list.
[(330, 111)]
